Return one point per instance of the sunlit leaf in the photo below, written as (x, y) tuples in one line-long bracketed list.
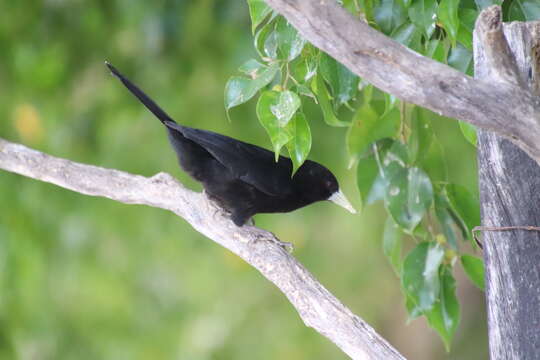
[(392, 244), (300, 143), (287, 104), (408, 195), (423, 14), (289, 42), (420, 275), (268, 101), (445, 315), (262, 37), (239, 89), (251, 67), (258, 11), (392, 157), (474, 268), (448, 16), (389, 15)]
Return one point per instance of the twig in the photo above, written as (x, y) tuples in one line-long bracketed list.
[(499, 228)]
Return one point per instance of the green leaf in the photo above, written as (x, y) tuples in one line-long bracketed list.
[(420, 275), (434, 163), (392, 244), (304, 69), (524, 10), (389, 15), (466, 27), (265, 42), (286, 106), (445, 315), (367, 127), (465, 205), (448, 16), (469, 132), (251, 67), (300, 143), (343, 83), (423, 14), (289, 42), (239, 89), (474, 268), (460, 58), (366, 7), (408, 195), (319, 87), (258, 11), (436, 50), (407, 34), (443, 211), (421, 135), (366, 173), (268, 103), (392, 157)]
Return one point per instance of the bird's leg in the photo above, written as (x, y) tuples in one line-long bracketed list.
[(216, 206)]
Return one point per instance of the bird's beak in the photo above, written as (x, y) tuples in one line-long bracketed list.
[(341, 200)]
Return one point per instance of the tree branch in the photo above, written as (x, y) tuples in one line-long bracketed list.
[(317, 307), (505, 108)]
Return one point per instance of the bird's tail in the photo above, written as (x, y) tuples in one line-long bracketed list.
[(149, 103)]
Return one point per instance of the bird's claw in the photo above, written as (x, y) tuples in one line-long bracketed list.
[(289, 247)]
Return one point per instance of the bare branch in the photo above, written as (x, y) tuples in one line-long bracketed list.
[(504, 108), (317, 307)]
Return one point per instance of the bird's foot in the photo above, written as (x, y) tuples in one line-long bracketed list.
[(263, 235)]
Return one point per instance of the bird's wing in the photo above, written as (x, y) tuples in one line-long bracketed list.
[(250, 163)]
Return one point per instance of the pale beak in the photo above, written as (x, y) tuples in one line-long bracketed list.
[(341, 200)]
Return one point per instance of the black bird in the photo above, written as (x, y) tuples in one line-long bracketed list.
[(243, 178)]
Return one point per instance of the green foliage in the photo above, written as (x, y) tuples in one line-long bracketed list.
[(399, 157), (474, 268)]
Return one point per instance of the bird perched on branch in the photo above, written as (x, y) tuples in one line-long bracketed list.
[(243, 178)]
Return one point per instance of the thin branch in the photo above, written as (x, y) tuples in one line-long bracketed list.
[(317, 307), (507, 109)]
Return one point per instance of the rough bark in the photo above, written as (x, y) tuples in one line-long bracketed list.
[(507, 109), (317, 307), (510, 195)]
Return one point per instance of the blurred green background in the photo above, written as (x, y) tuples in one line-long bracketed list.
[(89, 278)]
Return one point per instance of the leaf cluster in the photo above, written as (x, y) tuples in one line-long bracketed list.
[(398, 156)]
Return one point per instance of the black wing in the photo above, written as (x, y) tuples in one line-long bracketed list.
[(250, 163)]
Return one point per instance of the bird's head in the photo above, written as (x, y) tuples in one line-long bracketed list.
[(318, 183)]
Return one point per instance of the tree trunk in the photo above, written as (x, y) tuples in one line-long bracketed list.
[(510, 196)]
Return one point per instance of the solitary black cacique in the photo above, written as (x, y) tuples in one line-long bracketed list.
[(243, 178)]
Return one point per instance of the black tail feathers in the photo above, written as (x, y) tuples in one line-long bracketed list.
[(149, 103)]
